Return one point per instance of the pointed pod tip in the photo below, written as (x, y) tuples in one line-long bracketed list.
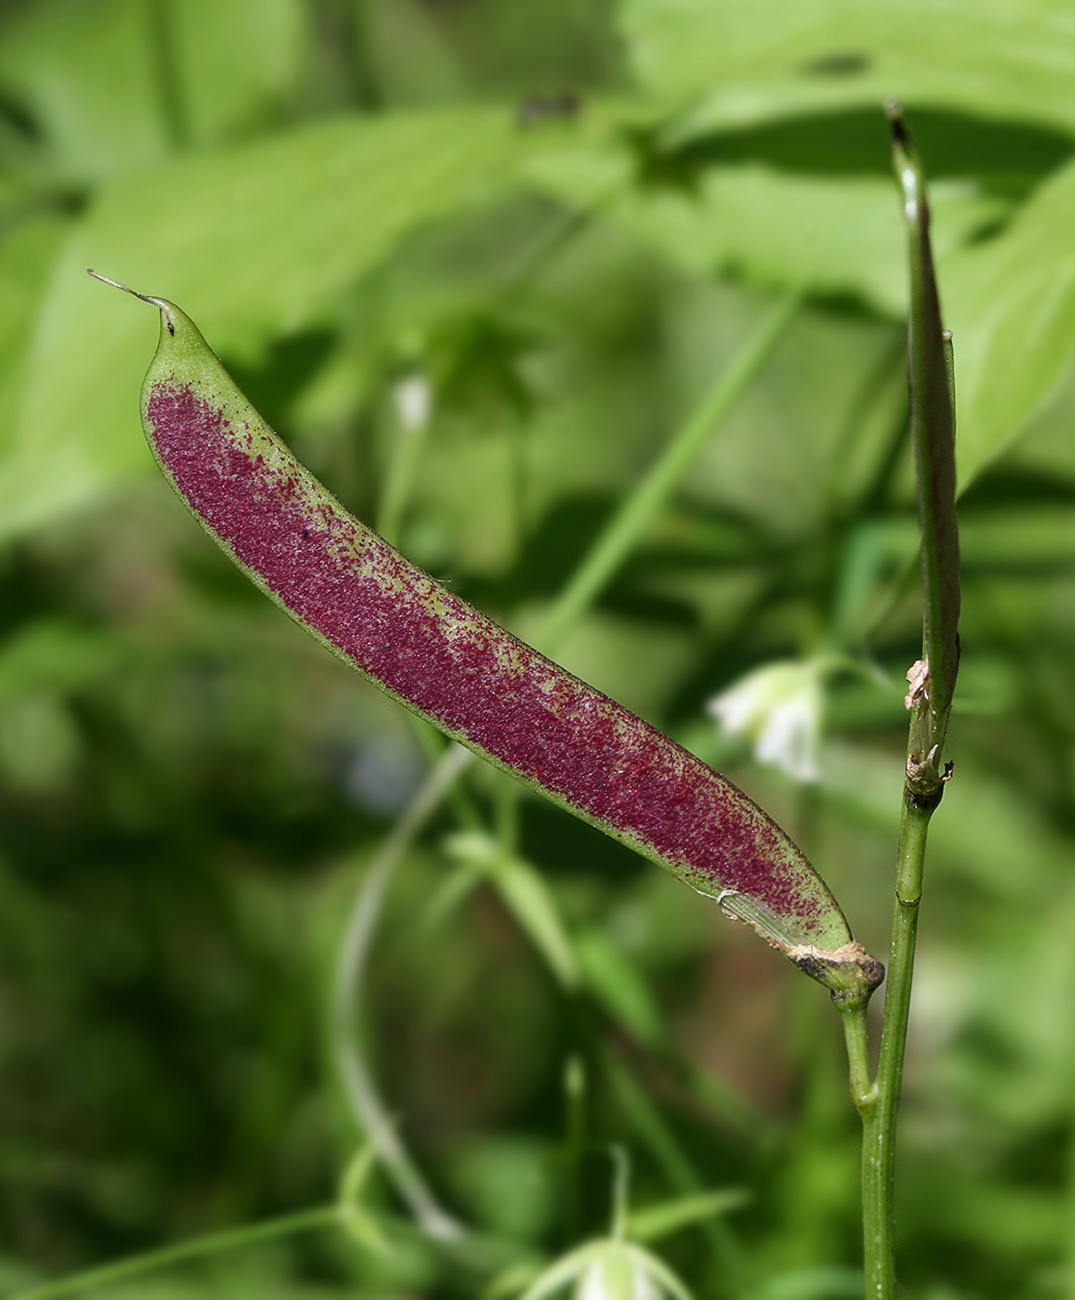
[(117, 285), (166, 307)]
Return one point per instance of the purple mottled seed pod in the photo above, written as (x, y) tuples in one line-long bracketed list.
[(461, 671)]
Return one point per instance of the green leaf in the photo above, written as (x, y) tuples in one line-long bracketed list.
[(26, 257), (832, 1283), (409, 45), (1010, 303), (234, 59), (117, 84), (657, 1221), (525, 895), (530, 902), (1001, 58), (616, 982), (832, 235), (86, 73), (262, 238)]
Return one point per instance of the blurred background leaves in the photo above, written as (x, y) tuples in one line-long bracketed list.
[(563, 220)]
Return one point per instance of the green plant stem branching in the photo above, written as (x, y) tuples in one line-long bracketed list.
[(932, 683)]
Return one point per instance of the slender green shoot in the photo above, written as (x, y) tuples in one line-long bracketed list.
[(352, 964), (645, 502), (932, 683), (879, 1106), (325, 1216)]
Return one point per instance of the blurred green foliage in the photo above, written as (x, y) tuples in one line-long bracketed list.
[(565, 219)]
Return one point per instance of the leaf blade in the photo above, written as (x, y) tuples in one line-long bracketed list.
[(264, 236)]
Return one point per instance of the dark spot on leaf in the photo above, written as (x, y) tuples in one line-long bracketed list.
[(845, 63)]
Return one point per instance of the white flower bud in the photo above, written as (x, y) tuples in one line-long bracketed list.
[(779, 708), (618, 1272), (413, 399)]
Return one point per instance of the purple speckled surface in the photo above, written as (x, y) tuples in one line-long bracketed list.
[(433, 650)]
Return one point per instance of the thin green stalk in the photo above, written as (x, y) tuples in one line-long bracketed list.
[(878, 1104), (478, 1254), (858, 1053), (351, 966), (640, 507), (325, 1216), (732, 1272)]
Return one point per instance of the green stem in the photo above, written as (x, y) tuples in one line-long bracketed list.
[(640, 507), (878, 1105), (731, 1270), (326, 1216), (858, 1053), (352, 964)]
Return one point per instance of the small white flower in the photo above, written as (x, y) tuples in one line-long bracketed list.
[(595, 1284), (612, 1267), (779, 708), (615, 1275), (413, 398), (609, 1269)]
